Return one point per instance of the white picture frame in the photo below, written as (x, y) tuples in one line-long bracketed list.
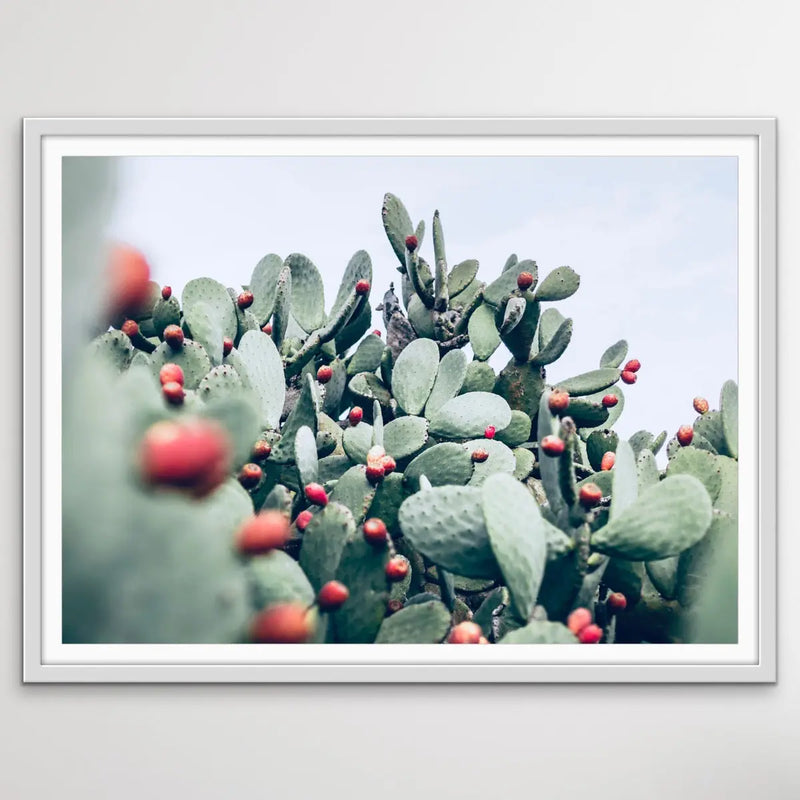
[(394, 663)]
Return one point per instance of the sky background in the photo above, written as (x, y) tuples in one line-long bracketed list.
[(654, 240)]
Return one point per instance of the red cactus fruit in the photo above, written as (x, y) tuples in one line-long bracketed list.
[(262, 450), (607, 461), (227, 346), (332, 596), (302, 519), (266, 531), (389, 465), (244, 300), (362, 287), (628, 376), (634, 365), (283, 623), (393, 606), (324, 373), (590, 495), (173, 336), (356, 415), (617, 601), (479, 455), (412, 243), (377, 333), (591, 634), (700, 405), (465, 633), (610, 400), (316, 494), (489, 432), (130, 327), (267, 329), (193, 455), (524, 281), (375, 531), (166, 292), (170, 373), (173, 393), (128, 279), (397, 568), (375, 472), (552, 445), (558, 401), (250, 476), (579, 619), (685, 435)]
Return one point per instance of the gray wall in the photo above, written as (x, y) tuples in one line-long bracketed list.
[(426, 58)]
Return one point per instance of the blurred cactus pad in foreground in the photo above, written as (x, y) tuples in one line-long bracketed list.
[(254, 463)]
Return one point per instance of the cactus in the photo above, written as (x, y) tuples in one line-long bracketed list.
[(412, 494)]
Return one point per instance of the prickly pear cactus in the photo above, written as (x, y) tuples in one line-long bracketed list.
[(253, 465)]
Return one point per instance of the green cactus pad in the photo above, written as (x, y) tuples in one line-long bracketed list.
[(359, 268), (446, 525), (354, 330), (397, 225), (519, 340), (614, 412), (493, 601), (548, 425), (386, 503), (517, 431), (264, 374), (204, 327), (550, 321), (663, 575), (332, 467), (405, 436), (367, 387), (499, 289), (555, 346), (166, 312), (522, 386), (223, 381), (501, 459), (647, 469), (449, 379), (560, 284), (540, 632), (282, 308), (729, 409), (709, 428), (469, 415), (356, 441), (703, 465), (214, 296), (239, 416), (421, 318), (625, 480), (323, 542), (598, 444), (140, 359), (414, 374), (308, 292), (461, 276), (377, 424), (421, 623), (305, 455), (303, 413), (367, 357), (445, 463), (276, 577), (362, 569), (191, 358), (334, 388), (590, 382), (615, 354), (115, 349), (512, 314), (263, 285), (483, 335), (603, 480), (519, 544), (665, 520), (354, 491), (525, 463), (467, 295), (479, 377)]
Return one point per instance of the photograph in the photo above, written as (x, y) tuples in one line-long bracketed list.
[(318, 395)]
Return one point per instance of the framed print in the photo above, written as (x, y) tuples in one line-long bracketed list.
[(313, 400)]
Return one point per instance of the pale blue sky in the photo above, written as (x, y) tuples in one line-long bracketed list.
[(653, 238)]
